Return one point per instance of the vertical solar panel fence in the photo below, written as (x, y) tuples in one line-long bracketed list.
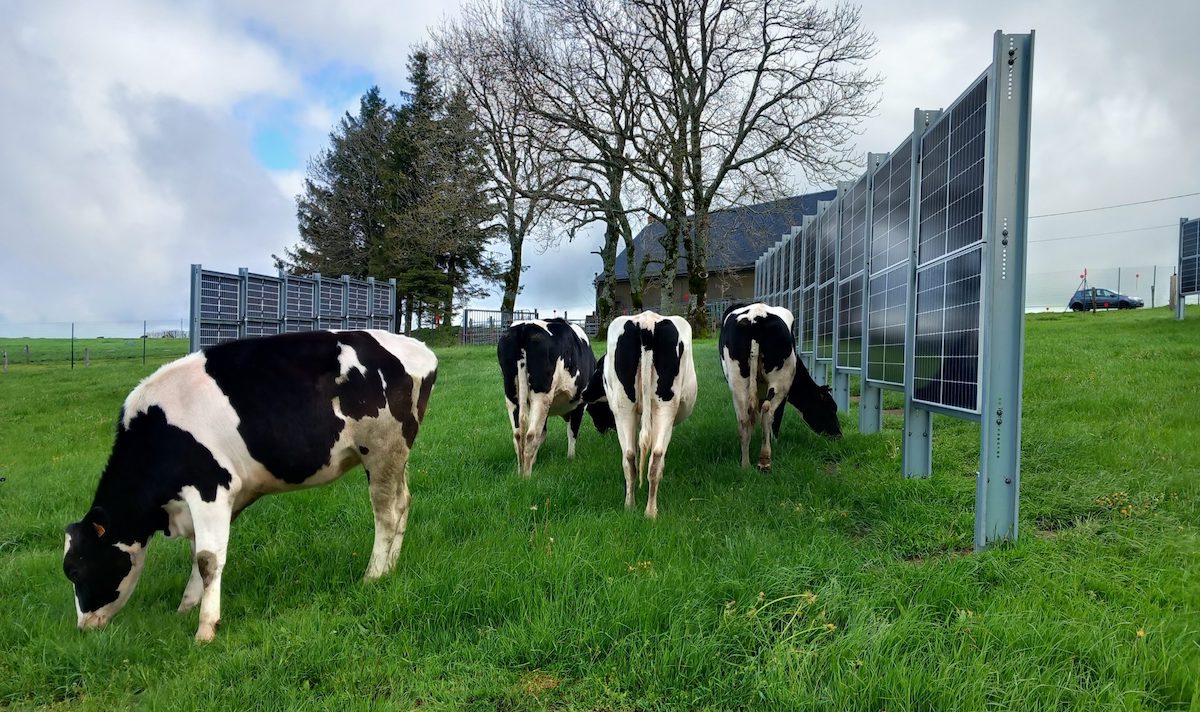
[(1189, 262), (913, 278), (231, 306), (849, 296)]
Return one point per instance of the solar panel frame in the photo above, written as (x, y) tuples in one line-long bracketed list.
[(888, 267), (950, 226), (852, 262), (827, 256), (1189, 256)]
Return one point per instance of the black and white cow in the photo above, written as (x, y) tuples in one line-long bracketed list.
[(758, 357), (205, 436), (645, 387), (545, 364)]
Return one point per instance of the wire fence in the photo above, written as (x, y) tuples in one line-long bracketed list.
[(84, 343)]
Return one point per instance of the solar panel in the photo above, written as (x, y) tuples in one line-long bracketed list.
[(887, 299), (950, 255), (952, 177), (262, 297), (219, 297), (381, 297), (850, 272), (890, 209), (332, 293), (947, 332), (1189, 257), (358, 298), (827, 234), (885, 325), (808, 285), (300, 298)]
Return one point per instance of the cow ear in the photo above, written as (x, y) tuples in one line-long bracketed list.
[(99, 520)]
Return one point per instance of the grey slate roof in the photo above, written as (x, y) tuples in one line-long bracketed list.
[(738, 235)]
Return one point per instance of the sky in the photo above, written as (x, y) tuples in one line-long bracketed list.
[(142, 137)]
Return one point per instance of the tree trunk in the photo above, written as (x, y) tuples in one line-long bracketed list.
[(448, 306), (512, 280), (606, 299), (697, 263), (408, 313), (512, 277)]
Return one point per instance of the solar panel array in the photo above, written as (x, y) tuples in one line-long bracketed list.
[(826, 241), (232, 306), (950, 254), (1189, 257), (915, 276), (888, 284), (851, 266)]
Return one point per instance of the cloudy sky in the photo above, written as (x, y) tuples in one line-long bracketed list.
[(140, 137)]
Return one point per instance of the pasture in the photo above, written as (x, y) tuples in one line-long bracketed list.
[(831, 583)]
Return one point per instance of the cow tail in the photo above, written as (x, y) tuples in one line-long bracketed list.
[(646, 372), (755, 411), (523, 393)]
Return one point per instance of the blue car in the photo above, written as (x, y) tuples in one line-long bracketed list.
[(1105, 299)]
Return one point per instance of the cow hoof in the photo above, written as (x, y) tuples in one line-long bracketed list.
[(764, 467), (206, 634)]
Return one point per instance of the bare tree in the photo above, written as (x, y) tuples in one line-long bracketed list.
[(479, 53), (745, 90)]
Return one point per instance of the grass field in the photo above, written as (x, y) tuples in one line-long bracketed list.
[(830, 584)]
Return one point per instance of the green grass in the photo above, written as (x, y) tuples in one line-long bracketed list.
[(832, 583), (57, 352)]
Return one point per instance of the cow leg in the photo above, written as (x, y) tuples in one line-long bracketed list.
[(662, 426), (574, 420), (627, 434), (384, 492), (535, 432), (402, 505), (743, 408), (773, 405), (211, 522), (514, 416), (195, 585)]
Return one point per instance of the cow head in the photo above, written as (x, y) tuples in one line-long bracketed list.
[(815, 403), (103, 569), (597, 400)]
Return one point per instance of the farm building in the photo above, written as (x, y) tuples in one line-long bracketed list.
[(739, 236)]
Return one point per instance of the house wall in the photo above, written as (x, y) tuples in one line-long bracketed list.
[(737, 285)]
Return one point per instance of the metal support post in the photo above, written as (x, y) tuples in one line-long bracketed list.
[(1005, 254)]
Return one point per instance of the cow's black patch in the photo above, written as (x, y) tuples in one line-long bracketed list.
[(627, 356), (814, 402), (666, 358), (363, 449), (282, 388), (151, 462), (94, 565), (597, 400)]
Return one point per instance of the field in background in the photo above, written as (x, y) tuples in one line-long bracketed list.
[(57, 352), (830, 584)]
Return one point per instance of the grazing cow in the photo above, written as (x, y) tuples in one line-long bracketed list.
[(545, 364), (646, 387), (758, 357), (205, 436)]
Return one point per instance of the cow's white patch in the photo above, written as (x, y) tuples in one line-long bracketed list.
[(418, 360), (579, 332), (535, 322), (192, 402), (348, 359), (759, 310)]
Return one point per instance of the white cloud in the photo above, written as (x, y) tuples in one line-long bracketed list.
[(126, 158)]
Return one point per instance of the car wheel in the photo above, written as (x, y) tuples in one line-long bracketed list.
[(1123, 305), (1077, 306)]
